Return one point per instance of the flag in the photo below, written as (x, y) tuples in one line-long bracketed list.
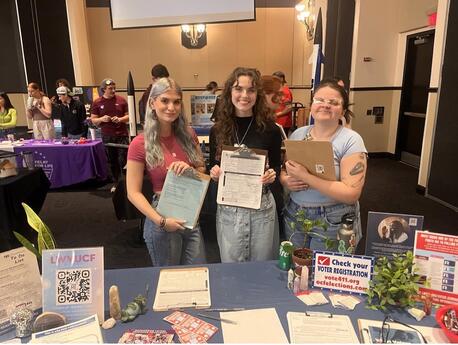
[(317, 57)]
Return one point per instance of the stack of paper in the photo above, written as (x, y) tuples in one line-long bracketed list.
[(190, 329), (347, 302), (312, 298)]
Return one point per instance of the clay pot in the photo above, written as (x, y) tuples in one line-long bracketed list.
[(303, 257)]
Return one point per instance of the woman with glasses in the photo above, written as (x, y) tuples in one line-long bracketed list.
[(319, 198), (244, 119), (168, 143)]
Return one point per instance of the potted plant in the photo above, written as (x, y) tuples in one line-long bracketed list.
[(395, 282), (303, 256), (45, 239)]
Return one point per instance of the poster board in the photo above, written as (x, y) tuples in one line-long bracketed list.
[(436, 257)]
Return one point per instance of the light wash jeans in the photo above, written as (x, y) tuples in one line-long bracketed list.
[(181, 247), (331, 215), (248, 235)]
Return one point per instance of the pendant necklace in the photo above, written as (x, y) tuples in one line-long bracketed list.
[(240, 143)]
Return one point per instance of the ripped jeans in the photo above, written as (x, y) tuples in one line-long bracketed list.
[(331, 215), (181, 247)]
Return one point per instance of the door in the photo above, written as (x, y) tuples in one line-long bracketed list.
[(414, 97)]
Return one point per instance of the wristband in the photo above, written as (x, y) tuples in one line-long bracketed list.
[(162, 223)]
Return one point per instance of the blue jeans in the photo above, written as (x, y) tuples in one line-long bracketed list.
[(181, 247), (248, 235), (331, 215)]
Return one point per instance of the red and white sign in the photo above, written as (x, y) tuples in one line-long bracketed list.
[(436, 258), (342, 272)]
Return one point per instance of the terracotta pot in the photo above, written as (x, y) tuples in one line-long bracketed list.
[(302, 257)]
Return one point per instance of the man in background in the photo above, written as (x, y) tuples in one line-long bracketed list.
[(72, 114), (284, 111), (110, 112), (158, 71)]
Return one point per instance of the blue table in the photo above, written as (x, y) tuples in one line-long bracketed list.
[(249, 285)]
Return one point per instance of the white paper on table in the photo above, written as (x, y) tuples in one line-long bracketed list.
[(240, 180), (313, 298), (84, 331), (253, 326), (20, 283), (304, 329)]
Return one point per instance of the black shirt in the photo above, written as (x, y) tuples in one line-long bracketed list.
[(270, 140), (73, 118)]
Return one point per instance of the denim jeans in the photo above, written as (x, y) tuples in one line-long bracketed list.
[(331, 215), (248, 235), (181, 247)]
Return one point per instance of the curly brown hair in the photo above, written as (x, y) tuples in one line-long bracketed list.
[(225, 125)]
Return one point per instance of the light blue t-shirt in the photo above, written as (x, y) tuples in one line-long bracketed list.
[(345, 142)]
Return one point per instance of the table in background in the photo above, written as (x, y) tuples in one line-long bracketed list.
[(29, 186), (66, 165), (250, 285)]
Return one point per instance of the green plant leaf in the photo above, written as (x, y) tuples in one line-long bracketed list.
[(32, 218), (27, 244)]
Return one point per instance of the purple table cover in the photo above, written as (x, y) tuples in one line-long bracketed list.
[(65, 165)]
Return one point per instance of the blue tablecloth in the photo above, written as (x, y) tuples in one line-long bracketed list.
[(249, 285), (65, 165)]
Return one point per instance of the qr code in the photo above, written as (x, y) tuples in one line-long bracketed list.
[(319, 168), (73, 286), (413, 221)]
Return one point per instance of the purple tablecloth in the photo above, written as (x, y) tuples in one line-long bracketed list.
[(65, 165)]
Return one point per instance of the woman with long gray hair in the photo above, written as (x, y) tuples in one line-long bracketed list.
[(168, 143)]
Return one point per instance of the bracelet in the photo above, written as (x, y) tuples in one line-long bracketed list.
[(162, 223)]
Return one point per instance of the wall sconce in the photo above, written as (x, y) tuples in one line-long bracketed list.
[(305, 16), (194, 36)]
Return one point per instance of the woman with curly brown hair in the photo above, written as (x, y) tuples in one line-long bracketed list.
[(245, 119)]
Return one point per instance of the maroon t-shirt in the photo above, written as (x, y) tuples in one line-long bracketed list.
[(172, 151), (115, 106)]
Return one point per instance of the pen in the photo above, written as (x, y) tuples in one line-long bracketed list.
[(216, 318), (224, 309)]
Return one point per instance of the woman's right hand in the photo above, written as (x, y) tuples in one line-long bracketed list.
[(172, 224), (293, 184), (215, 172)]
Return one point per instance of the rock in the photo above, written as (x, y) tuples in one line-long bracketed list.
[(48, 320), (115, 303), (110, 323)]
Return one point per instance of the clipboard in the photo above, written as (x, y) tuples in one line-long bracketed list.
[(329, 328), (370, 331), (182, 196), (316, 156), (241, 170), (183, 288)]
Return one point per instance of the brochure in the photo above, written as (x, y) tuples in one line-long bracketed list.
[(202, 108)]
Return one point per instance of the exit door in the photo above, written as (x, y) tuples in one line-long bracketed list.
[(414, 97)]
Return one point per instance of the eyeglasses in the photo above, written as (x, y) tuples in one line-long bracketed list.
[(240, 90), (333, 102), (393, 338)]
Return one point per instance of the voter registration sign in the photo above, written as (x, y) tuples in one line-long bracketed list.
[(342, 272)]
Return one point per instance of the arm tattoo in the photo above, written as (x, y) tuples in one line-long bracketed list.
[(357, 169), (358, 183)]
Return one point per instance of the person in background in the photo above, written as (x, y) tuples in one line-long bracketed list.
[(72, 114), (319, 198), (158, 71), (8, 115), (210, 89), (168, 143), (244, 119), (39, 109), (110, 112), (284, 112)]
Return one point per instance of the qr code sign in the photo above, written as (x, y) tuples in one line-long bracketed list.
[(73, 286)]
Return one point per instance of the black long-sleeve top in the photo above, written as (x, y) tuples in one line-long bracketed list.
[(73, 118), (270, 140)]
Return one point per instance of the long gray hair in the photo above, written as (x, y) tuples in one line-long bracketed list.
[(180, 128)]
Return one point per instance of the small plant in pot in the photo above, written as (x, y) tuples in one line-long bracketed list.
[(303, 256), (395, 282)]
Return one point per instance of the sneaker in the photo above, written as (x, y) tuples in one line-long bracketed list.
[(113, 189)]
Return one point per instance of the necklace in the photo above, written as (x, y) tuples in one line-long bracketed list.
[(240, 142)]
